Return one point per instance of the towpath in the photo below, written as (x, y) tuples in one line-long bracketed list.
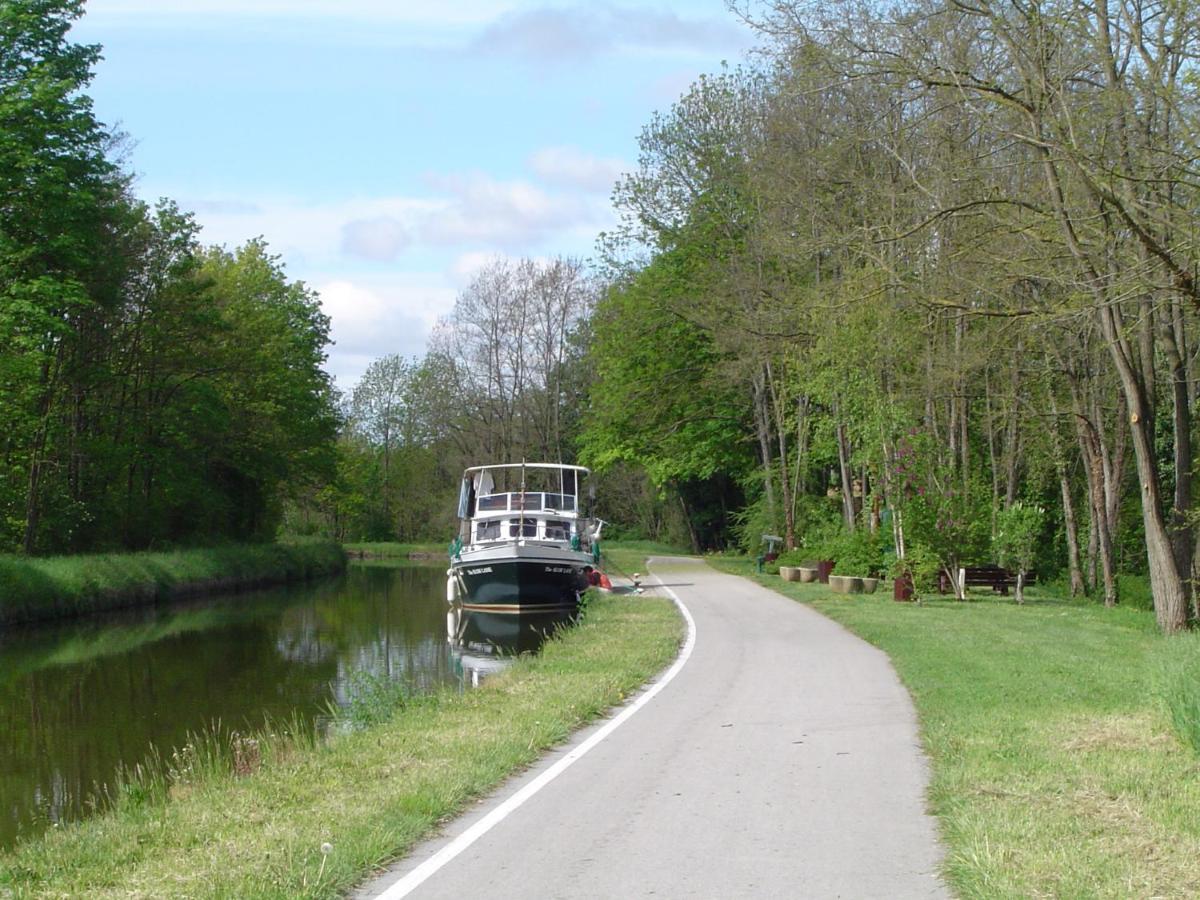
[(781, 760)]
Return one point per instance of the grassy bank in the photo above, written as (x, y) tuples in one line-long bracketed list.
[(206, 832), (394, 550), (57, 587), (1056, 772), (623, 558)]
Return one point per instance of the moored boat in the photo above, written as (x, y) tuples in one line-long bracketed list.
[(525, 543)]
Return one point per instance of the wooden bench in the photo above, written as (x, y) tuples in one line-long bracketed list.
[(997, 578)]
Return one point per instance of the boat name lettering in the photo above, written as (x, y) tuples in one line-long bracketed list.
[(558, 570), (483, 571)]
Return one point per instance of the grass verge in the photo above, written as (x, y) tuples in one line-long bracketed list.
[(1055, 769), (62, 586), (623, 558), (394, 550), (369, 795)]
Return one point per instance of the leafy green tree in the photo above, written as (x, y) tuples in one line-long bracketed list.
[(660, 398), (59, 198), (1018, 532)]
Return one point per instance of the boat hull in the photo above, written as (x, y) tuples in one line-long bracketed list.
[(525, 583)]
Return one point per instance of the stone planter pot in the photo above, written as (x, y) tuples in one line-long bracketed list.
[(846, 584), (869, 585), (807, 575), (789, 573)]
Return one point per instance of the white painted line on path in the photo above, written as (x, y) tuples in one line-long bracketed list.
[(427, 869)]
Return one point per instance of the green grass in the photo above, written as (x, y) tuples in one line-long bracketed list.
[(62, 586), (623, 558), (203, 831), (1056, 771), (1179, 686)]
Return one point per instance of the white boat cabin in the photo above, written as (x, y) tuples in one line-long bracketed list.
[(532, 502)]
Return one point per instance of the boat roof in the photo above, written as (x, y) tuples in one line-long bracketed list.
[(558, 466)]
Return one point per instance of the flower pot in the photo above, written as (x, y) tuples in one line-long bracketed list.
[(807, 574), (789, 573), (846, 584), (869, 585)]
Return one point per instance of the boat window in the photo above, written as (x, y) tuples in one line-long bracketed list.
[(487, 531), (558, 531), (522, 528), (564, 502), (527, 501), (493, 502)]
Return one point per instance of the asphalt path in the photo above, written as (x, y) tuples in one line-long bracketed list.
[(780, 760)]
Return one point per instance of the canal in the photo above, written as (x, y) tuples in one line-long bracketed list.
[(80, 701)]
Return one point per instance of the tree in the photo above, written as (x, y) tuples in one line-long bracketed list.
[(1018, 532), (59, 196)]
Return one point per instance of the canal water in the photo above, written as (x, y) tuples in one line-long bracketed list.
[(79, 701)]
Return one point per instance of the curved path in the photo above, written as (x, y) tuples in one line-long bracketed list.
[(781, 761)]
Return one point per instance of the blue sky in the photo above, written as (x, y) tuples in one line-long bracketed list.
[(387, 149)]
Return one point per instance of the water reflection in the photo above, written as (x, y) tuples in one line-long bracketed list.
[(483, 643), (78, 701)]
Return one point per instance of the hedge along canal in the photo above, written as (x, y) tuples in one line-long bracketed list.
[(35, 589), (313, 819)]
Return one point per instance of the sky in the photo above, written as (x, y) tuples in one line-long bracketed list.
[(386, 149)]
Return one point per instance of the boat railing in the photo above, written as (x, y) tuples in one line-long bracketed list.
[(555, 531), (527, 502)]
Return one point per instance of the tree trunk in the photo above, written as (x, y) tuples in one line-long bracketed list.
[(843, 445), (1070, 524), (1170, 597), (1182, 535), (762, 423)]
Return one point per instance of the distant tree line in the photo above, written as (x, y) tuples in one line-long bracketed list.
[(503, 379), (153, 391)]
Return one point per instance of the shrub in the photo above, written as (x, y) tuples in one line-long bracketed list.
[(921, 564), (858, 553), (794, 558)]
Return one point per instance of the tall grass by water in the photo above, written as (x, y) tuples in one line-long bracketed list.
[(306, 819), (62, 586), (1056, 769)]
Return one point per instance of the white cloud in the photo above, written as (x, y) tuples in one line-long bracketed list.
[(311, 233), (372, 317), (381, 239), (505, 214), (463, 211), (569, 33), (468, 265), (572, 167)]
